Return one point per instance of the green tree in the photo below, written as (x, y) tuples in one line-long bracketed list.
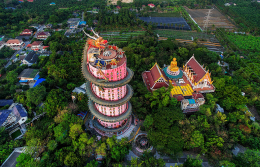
[(148, 122), (249, 158), (193, 162), (11, 77), (36, 95)]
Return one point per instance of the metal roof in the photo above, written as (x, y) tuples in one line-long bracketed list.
[(3, 115), (6, 102)]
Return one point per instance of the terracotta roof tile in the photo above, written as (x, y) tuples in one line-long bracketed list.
[(13, 41), (197, 68), (156, 72), (36, 43)]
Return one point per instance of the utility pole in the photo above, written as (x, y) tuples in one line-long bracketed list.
[(206, 21)]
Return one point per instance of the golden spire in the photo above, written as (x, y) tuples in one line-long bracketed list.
[(173, 67)]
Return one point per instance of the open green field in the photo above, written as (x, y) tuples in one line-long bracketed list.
[(182, 34), (113, 36), (16, 134)]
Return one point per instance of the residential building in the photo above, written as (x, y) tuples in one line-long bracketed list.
[(11, 160), (6, 102), (73, 22), (26, 32), (15, 44), (36, 45), (52, 3), (82, 24), (43, 35), (12, 117), (81, 89), (2, 44), (30, 0), (31, 58), (48, 26), (35, 26), (28, 76)]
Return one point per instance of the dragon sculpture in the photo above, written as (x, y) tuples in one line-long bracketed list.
[(97, 42)]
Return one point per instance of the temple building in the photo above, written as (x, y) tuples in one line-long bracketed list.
[(105, 68), (188, 83)]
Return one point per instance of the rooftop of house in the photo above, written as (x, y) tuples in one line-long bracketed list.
[(11, 160), (27, 30), (6, 102), (74, 20), (28, 73), (3, 115), (32, 57), (43, 33), (35, 43), (18, 41), (17, 110)]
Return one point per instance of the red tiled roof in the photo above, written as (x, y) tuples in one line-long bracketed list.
[(36, 43), (27, 30), (44, 47), (30, 0), (13, 41), (156, 72), (197, 68), (159, 85), (150, 4), (29, 45), (118, 7), (42, 33)]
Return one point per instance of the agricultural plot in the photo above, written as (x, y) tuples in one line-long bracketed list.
[(182, 34), (167, 22), (216, 18), (120, 37)]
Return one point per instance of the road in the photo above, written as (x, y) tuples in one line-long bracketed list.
[(26, 43)]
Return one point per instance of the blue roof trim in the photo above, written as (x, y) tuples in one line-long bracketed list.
[(21, 81), (171, 76), (21, 111), (3, 115), (6, 102), (37, 77), (38, 82)]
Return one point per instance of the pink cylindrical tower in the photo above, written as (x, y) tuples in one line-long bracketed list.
[(105, 68)]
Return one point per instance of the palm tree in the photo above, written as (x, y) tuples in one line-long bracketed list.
[(182, 26), (164, 25), (175, 26), (179, 26)]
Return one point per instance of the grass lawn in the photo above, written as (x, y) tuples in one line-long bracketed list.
[(16, 134)]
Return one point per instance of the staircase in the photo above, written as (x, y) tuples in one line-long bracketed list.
[(127, 133)]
